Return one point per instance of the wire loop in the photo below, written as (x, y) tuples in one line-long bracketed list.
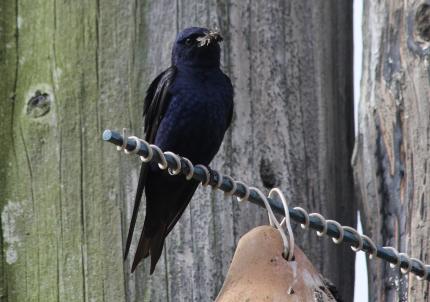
[(426, 269), (136, 149), (163, 165), (374, 251), (396, 253), (190, 166), (323, 222), (233, 186), (205, 182), (148, 158), (177, 159), (408, 261), (247, 192), (339, 228), (218, 179), (305, 225), (423, 267), (353, 231), (124, 140)]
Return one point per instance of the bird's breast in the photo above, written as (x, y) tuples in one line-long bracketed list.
[(195, 121)]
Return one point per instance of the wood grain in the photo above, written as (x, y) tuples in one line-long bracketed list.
[(393, 143), (66, 197)]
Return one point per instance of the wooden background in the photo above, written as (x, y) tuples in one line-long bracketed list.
[(66, 196), (392, 158)]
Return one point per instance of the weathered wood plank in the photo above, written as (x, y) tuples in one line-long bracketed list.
[(393, 144), (67, 197), (8, 62), (284, 62)]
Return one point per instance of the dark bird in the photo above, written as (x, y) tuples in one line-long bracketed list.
[(188, 108)]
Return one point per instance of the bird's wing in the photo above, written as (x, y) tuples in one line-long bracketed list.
[(167, 198), (230, 100), (156, 101)]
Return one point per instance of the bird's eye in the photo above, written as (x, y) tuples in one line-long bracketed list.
[(188, 41)]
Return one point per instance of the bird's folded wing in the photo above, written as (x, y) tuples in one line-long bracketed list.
[(156, 102)]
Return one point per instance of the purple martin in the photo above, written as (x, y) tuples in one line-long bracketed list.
[(187, 110)]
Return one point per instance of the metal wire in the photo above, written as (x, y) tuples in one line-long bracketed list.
[(298, 215)]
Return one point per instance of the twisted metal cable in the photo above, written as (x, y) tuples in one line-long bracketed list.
[(331, 228)]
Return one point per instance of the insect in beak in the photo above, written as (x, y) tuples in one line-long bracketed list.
[(211, 35)]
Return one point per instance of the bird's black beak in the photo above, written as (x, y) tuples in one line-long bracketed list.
[(209, 37)]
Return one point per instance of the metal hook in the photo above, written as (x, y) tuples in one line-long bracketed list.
[(276, 191), (273, 220)]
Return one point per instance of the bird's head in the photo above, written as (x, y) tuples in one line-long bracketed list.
[(197, 46)]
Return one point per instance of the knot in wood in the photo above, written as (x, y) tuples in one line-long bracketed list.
[(38, 105), (268, 173), (422, 22)]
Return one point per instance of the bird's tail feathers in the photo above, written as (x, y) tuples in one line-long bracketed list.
[(137, 201), (157, 247), (150, 246)]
